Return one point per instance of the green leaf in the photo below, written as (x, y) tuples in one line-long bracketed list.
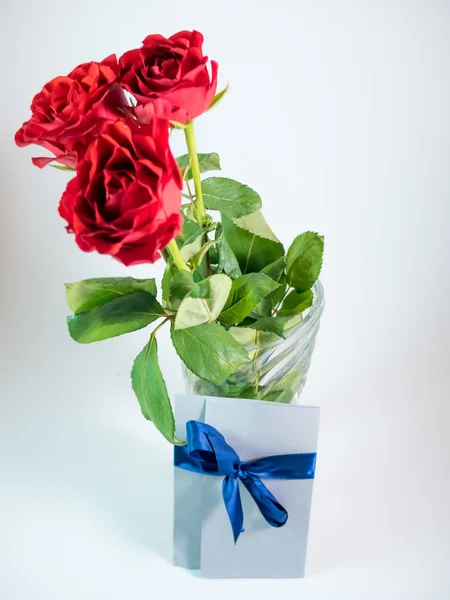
[(192, 238), (218, 97), (251, 337), (246, 292), (252, 252), (206, 162), (197, 259), (256, 223), (199, 307), (62, 168), (274, 270), (192, 245), (276, 325), (271, 325), (277, 296), (181, 284), (201, 272), (150, 389), (166, 279), (201, 290), (89, 293), (295, 303), (190, 228), (283, 390), (190, 213), (304, 261), (116, 317), (209, 351), (231, 198), (213, 256), (227, 260)]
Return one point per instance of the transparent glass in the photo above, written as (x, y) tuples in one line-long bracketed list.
[(278, 368)]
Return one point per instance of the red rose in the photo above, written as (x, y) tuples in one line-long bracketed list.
[(169, 77), (69, 111), (126, 198)]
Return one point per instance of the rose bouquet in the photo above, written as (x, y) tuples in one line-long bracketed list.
[(243, 313)]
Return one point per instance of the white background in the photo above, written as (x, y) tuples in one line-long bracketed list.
[(338, 115)]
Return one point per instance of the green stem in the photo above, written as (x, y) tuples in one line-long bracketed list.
[(191, 196), (255, 357), (176, 255), (158, 327), (277, 307), (192, 149)]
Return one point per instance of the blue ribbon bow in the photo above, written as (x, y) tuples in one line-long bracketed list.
[(207, 452)]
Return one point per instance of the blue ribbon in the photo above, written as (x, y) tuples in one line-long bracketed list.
[(207, 452)]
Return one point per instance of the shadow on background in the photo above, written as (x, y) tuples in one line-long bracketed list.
[(124, 477)]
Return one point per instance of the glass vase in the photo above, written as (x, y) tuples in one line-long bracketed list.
[(278, 367)]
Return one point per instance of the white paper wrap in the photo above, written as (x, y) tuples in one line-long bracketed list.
[(202, 534)]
